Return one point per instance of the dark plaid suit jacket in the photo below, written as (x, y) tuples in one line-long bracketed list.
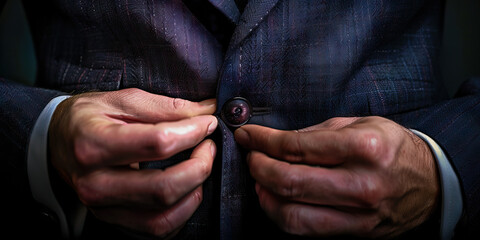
[(304, 61)]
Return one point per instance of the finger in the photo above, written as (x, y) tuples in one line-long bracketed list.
[(314, 220), (120, 144), (141, 106), (315, 185), (319, 147), (158, 222), (148, 188)]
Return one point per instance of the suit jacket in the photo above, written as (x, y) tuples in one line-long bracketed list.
[(300, 61)]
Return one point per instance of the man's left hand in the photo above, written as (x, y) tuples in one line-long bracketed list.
[(366, 177)]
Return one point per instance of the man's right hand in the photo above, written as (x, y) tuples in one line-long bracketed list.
[(96, 141)]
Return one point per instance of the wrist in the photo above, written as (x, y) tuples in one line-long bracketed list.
[(451, 197), (421, 151)]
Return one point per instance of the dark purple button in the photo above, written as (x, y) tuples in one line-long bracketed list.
[(236, 112)]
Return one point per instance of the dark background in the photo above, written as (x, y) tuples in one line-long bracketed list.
[(460, 57)]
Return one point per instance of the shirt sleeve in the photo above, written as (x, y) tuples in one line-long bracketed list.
[(452, 202), (38, 176)]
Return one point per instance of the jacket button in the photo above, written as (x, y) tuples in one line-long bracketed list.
[(236, 112)]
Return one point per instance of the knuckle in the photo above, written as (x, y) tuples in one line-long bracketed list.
[(290, 221), (178, 103), (291, 148), (86, 153), (373, 144), (161, 143), (165, 193), (370, 146), (161, 226), (88, 191), (290, 185), (370, 194)]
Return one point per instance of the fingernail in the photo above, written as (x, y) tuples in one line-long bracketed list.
[(242, 136), (208, 102), (212, 126)]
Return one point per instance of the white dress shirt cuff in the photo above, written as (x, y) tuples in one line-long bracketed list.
[(452, 204), (37, 168)]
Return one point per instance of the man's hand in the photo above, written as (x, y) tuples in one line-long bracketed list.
[(366, 177), (96, 141)]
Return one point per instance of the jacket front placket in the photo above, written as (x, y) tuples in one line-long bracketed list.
[(237, 194)]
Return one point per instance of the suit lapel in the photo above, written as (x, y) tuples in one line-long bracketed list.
[(254, 12), (228, 8)]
